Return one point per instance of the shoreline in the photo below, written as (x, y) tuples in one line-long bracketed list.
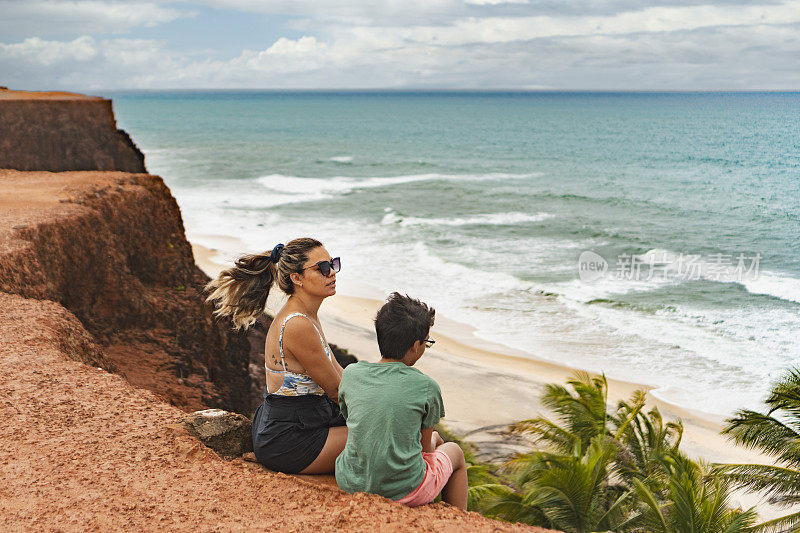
[(487, 386)]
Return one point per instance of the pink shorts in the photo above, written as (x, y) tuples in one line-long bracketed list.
[(438, 469)]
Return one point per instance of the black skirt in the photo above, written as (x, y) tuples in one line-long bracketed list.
[(290, 431)]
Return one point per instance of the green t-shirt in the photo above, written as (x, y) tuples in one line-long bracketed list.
[(386, 406)]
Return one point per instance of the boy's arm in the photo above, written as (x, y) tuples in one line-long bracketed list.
[(427, 440), (434, 411)]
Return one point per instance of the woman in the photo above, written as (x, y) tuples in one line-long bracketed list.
[(298, 428)]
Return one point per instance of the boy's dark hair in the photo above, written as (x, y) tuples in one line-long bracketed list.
[(400, 322)]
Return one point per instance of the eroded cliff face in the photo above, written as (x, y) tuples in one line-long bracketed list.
[(61, 132), (110, 248)]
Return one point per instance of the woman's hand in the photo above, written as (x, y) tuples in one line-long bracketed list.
[(301, 340), (430, 440)]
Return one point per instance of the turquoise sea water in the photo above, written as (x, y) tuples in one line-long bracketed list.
[(482, 203)]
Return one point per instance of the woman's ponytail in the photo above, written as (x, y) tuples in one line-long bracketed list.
[(241, 292)]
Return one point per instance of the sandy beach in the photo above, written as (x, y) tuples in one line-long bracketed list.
[(485, 386)]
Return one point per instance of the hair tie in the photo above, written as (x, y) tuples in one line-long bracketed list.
[(276, 253)]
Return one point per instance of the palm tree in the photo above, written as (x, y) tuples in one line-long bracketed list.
[(648, 442), (582, 415), (608, 469), (571, 492), (568, 485), (695, 501), (775, 433)]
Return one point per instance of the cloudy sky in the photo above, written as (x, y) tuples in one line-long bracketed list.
[(399, 44)]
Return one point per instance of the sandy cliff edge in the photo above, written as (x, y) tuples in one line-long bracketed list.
[(84, 450)]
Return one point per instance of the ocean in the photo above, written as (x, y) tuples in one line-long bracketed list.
[(651, 236)]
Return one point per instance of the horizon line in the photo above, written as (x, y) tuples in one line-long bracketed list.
[(437, 90)]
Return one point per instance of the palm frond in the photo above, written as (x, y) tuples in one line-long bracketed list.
[(631, 412), (478, 494), (785, 394), (740, 521), (529, 466), (582, 412), (781, 485), (654, 515), (615, 507), (501, 501), (547, 432), (790, 522), (763, 432), (478, 474)]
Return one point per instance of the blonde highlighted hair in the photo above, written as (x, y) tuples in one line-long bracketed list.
[(241, 292)]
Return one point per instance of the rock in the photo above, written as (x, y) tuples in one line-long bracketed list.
[(228, 434), (343, 356)]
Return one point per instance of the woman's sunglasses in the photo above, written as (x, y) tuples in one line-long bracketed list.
[(326, 266)]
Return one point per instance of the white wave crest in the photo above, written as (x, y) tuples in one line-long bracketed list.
[(489, 219), (433, 269), (342, 158), (782, 287), (338, 185), (670, 267)]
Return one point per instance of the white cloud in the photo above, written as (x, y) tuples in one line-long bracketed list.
[(421, 12), (650, 20), (133, 53), (47, 53), (288, 55), (57, 17), (494, 2), (661, 47)]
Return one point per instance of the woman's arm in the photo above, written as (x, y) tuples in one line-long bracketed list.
[(302, 341), (338, 367), (430, 439), (427, 440)]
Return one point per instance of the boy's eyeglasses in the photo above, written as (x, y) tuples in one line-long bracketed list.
[(326, 266), (429, 342)]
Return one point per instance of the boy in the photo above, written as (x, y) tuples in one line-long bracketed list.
[(391, 408)]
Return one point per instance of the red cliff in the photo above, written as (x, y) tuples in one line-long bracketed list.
[(110, 248), (63, 131)]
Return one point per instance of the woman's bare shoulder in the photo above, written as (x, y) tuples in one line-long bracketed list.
[(299, 325)]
